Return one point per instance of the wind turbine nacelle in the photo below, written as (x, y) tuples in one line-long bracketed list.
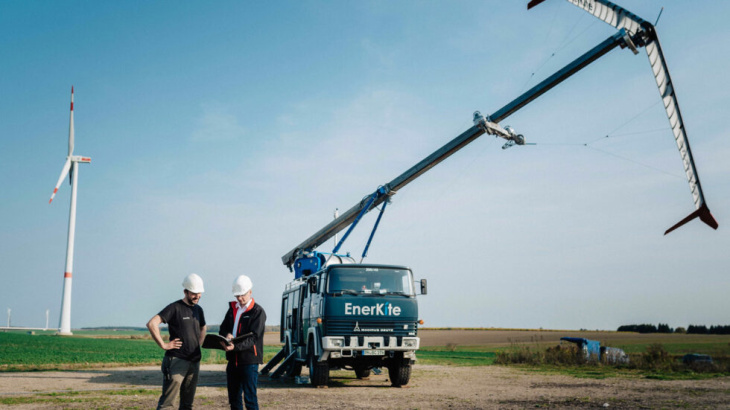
[(78, 158)]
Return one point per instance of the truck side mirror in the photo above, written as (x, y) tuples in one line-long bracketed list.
[(424, 287)]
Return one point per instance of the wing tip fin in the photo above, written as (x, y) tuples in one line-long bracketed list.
[(533, 3), (703, 212)]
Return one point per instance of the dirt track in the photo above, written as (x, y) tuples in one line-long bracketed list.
[(430, 387)]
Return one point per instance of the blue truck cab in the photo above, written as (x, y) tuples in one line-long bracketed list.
[(351, 316)]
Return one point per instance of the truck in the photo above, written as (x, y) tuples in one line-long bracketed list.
[(339, 313), (351, 316)]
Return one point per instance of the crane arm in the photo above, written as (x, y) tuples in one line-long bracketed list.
[(481, 126), (632, 32)]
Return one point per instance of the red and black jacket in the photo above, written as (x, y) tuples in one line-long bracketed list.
[(251, 349)]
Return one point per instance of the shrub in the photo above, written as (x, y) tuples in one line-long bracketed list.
[(656, 354), (564, 355), (655, 359), (518, 355)]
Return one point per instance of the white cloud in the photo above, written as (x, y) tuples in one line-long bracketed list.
[(217, 124)]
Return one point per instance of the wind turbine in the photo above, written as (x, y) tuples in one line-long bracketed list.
[(72, 164)]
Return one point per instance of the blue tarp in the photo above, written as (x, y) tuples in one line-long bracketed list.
[(591, 348)]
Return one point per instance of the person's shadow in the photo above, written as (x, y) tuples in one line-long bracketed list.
[(145, 377)]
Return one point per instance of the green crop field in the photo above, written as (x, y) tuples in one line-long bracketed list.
[(21, 351), (462, 356)]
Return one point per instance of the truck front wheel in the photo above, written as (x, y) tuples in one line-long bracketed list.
[(400, 374), (319, 372)]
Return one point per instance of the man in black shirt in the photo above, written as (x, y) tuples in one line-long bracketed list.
[(186, 324)]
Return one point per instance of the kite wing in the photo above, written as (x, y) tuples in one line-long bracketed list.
[(643, 33)]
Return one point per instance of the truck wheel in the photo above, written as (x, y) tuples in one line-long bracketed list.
[(362, 372), (400, 374), (319, 372)]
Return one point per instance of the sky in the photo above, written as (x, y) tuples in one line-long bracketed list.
[(224, 134)]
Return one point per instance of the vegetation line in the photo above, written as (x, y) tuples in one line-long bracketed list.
[(66, 391)]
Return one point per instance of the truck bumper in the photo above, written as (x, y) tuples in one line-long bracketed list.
[(336, 347)]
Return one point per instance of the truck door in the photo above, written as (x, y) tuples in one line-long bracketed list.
[(295, 303), (305, 308), (285, 317), (292, 312), (315, 299)]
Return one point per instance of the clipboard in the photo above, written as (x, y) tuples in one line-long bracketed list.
[(213, 341)]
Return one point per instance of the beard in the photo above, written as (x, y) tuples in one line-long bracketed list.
[(190, 300)]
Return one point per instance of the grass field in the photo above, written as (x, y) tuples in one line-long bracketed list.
[(22, 351), (72, 397), (461, 356), (454, 347)]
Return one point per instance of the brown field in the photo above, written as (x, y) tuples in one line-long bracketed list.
[(431, 387), (500, 337)]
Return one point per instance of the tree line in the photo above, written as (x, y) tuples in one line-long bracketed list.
[(664, 328)]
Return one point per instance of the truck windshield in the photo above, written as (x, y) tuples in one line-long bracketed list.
[(378, 281)]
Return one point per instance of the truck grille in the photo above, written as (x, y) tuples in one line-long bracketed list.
[(398, 328)]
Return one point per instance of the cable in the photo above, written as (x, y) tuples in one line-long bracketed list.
[(642, 132), (611, 134), (634, 162), (634, 117), (625, 134), (560, 47)]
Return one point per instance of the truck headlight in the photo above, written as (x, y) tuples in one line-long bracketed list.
[(337, 342), (409, 343)]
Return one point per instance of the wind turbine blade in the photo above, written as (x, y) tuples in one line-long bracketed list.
[(71, 126), (64, 171)]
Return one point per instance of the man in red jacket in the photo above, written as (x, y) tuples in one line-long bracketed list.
[(244, 317)]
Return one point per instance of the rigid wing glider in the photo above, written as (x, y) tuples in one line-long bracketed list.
[(641, 33)]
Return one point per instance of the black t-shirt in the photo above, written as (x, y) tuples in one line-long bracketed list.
[(184, 322)]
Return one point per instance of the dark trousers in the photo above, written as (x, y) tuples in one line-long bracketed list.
[(242, 379), (180, 376)]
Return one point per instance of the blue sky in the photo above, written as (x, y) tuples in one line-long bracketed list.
[(222, 135)]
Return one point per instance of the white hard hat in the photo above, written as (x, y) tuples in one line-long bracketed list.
[(193, 283), (242, 285)]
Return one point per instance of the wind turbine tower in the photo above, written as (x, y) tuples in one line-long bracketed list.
[(72, 165)]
